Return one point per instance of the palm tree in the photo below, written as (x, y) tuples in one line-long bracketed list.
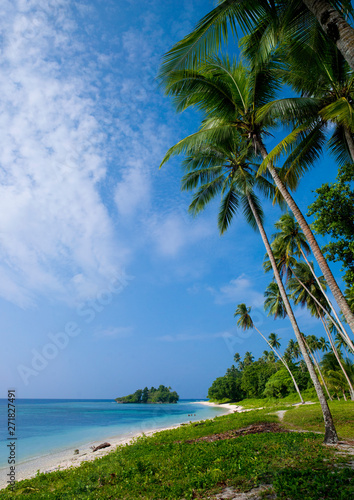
[(245, 322), (290, 241), (229, 96), (236, 98), (274, 340), (292, 350), (335, 378), (268, 23), (310, 295), (248, 359), (314, 344), (274, 303), (330, 87)]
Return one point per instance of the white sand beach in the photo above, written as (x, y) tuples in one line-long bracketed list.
[(65, 459), (230, 407)]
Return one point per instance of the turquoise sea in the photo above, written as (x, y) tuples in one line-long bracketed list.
[(45, 426)]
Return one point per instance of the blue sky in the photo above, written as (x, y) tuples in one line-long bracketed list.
[(106, 283)]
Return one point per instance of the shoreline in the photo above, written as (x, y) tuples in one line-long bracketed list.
[(64, 459)]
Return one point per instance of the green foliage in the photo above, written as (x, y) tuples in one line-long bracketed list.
[(161, 395), (280, 385), (255, 377), (334, 216), (227, 387), (171, 465)]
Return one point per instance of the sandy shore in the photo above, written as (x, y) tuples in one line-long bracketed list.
[(65, 459), (231, 408)]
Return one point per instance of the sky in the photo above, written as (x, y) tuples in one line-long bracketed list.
[(107, 284)]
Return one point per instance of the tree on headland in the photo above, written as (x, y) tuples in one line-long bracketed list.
[(161, 395)]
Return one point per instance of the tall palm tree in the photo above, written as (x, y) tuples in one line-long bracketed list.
[(330, 87), (245, 322), (314, 344), (229, 95), (268, 23), (274, 340), (235, 97), (304, 298), (274, 303), (290, 241)]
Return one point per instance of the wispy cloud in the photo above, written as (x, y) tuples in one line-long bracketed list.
[(120, 332), (55, 232), (241, 289)]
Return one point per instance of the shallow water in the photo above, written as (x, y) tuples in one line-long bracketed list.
[(45, 426)]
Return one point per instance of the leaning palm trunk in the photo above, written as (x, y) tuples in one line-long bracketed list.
[(346, 339), (283, 361), (330, 431), (318, 369), (351, 389), (335, 26), (340, 328), (327, 273)]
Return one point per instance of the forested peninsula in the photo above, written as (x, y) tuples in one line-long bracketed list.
[(161, 395)]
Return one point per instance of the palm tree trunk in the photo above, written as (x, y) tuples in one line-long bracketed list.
[(338, 295), (341, 330), (351, 389), (346, 339), (350, 142), (319, 371), (284, 363), (335, 26), (330, 431)]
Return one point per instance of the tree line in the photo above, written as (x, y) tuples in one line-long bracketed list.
[(305, 46), (161, 395)]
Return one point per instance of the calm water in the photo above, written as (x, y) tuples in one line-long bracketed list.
[(45, 426)]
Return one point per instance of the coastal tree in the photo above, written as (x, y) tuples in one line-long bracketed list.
[(231, 98), (194, 51)]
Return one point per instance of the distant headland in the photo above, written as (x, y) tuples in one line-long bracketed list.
[(161, 395)]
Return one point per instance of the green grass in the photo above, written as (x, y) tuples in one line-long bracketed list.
[(166, 466), (293, 398), (309, 417)]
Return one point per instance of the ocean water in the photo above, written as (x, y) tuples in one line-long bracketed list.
[(45, 426)]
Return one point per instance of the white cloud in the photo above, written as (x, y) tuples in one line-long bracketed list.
[(170, 233), (53, 224), (238, 290), (114, 332)]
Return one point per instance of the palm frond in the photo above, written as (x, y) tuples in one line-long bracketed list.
[(209, 34), (192, 179), (340, 111), (228, 209), (205, 194)]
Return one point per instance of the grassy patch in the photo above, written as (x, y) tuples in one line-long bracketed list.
[(310, 418), (167, 466), (309, 395)]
